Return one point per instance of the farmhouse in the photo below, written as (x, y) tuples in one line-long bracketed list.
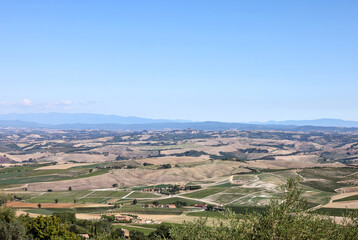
[(201, 205), (122, 218)]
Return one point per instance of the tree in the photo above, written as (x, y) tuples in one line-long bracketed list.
[(51, 227), (66, 217), (39, 205), (10, 227), (161, 232), (156, 203), (117, 234), (136, 235), (102, 228), (56, 200), (135, 201), (69, 188), (115, 185)]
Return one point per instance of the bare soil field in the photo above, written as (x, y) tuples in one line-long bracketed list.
[(43, 205), (343, 195), (82, 158), (174, 160), (63, 166), (280, 164), (137, 177), (25, 157), (345, 204), (88, 216)]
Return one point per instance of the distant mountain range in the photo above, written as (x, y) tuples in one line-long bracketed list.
[(323, 122), (79, 121), (75, 118)]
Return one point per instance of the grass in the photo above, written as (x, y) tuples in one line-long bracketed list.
[(40, 211), (244, 177), (270, 178), (29, 174), (63, 197), (328, 179), (213, 214), (107, 194), (174, 199), (205, 192), (318, 197), (23, 195), (139, 209), (226, 198), (69, 196), (350, 198), (243, 190), (143, 195), (155, 226), (145, 231)]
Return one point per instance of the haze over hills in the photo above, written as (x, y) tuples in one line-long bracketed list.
[(83, 118), (323, 122), (113, 122)]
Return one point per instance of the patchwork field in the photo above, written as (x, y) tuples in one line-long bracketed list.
[(149, 174)]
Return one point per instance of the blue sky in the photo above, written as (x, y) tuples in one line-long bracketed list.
[(200, 60)]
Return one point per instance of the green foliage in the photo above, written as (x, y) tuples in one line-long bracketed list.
[(102, 228), (162, 232), (10, 227), (284, 218), (165, 166), (180, 204), (44, 228), (66, 217), (137, 235), (109, 218)]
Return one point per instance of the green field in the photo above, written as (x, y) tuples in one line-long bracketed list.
[(205, 192), (350, 198), (227, 197), (145, 230), (139, 209), (244, 177), (70, 196), (327, 179), (107, 194), (173, 200), (243, 190), (29, 174), (143, 195), (63, 197), (213, 214)]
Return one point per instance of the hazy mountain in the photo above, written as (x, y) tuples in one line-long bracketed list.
[(112, 122), (208, 126), (323, 122), (73, 118)]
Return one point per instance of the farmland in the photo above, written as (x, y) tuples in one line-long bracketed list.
[(148, 174)]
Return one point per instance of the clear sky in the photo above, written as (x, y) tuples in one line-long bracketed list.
[(186, 59)]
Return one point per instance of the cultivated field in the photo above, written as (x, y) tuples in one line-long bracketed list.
[(91, 173)]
